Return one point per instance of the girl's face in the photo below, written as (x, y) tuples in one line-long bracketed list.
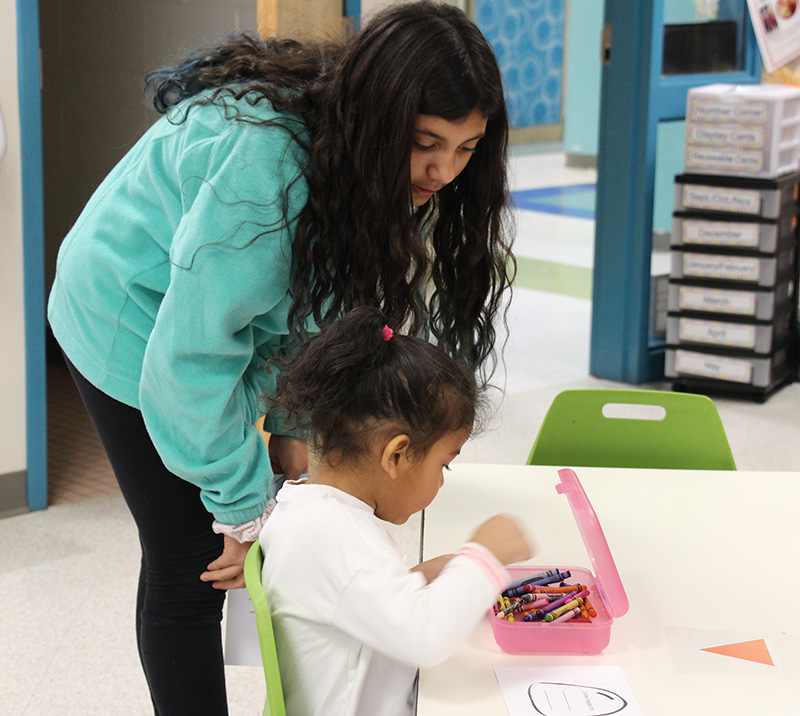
[(441, 151), (421, 479)]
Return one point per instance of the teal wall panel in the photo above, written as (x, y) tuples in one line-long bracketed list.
[(528, 39)]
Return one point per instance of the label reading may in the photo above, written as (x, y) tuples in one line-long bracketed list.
[(738, 371)]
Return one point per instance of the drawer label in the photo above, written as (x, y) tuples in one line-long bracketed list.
[(733, 135), (720, 233), (733, 268), (721, 198), (718, 333), (711, 366), (695, 298), (712, 110), (724, 159)]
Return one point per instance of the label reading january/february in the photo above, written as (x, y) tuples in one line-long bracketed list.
[(711, 366), (720, 198), (720, 233), (732, 268), (737, 335), (695, 298)]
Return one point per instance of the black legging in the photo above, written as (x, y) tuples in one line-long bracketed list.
[(177, 616)]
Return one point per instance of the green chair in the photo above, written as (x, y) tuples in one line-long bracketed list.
[(663, 430), (274, 705)]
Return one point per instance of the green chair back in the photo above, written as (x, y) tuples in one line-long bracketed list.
[(686, 434), (274, 705)]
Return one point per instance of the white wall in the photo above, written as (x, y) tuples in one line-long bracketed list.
[(12, 327), (95, 54)]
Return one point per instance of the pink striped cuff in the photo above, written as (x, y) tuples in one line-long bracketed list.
[(491, 566)]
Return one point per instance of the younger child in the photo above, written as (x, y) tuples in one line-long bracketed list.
[(386, 413)]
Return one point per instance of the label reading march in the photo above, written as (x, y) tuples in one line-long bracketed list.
[(696, 298)]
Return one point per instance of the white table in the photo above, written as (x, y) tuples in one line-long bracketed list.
[(708, 532)]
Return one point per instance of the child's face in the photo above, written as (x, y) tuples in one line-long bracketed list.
[(419, 481)]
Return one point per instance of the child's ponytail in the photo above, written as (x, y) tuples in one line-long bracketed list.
[(359, 377)]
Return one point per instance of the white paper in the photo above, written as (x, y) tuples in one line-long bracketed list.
[(241, 632), (777, 28), (566, 691)]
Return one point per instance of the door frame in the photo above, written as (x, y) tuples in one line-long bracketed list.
[(634, 98), (30, 114)]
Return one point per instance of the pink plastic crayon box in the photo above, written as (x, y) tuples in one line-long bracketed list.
[(606, 593)]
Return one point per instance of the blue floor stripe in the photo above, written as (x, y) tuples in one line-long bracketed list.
[(555, 200)]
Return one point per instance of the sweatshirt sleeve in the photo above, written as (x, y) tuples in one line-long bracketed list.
[(224, 312), (396, 613)]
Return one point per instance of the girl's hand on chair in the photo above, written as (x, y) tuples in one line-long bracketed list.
[(227, 571)]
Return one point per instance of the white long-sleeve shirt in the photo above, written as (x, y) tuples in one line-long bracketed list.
[(352, 623)]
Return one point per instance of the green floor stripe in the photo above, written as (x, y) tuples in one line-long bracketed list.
[(550, 277)]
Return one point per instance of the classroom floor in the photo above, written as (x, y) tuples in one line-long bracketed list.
[(68, 574)]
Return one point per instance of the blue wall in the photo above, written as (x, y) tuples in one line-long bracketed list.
[(528, 39)]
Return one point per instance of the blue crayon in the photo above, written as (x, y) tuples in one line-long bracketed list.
[(533, 578), (517, 591)]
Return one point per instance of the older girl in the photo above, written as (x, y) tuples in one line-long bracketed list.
[(286, 184)]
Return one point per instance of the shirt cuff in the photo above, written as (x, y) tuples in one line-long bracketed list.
[(498, 575), (247, 531)]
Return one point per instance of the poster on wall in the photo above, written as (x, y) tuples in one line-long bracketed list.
[(777, 27)]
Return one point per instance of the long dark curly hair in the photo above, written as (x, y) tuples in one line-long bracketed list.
[(440, 270)]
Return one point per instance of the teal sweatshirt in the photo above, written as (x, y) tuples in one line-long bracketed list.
[(172, 290)]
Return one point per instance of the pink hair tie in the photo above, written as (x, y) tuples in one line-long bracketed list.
[(387, 333)]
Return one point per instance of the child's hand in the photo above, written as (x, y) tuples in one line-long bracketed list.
[(227, 571), (504, 536), (432, 568)]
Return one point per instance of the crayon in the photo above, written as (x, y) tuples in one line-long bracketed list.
[(568, 607), (566, 616), (589, 607), (533, 578), (560, 590), (533, 581)]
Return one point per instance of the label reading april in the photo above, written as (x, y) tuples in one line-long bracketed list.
[(738, 335), (720, 198), (695, 298), (710, 366), (720, 233), (733, 268)]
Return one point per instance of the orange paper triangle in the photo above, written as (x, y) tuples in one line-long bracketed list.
[(755, 650)]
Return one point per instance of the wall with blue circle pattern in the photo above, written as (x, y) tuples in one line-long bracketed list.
[(528, 39)]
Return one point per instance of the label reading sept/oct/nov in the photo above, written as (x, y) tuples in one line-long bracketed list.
[(720, 198)]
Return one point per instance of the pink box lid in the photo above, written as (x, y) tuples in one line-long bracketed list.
[(605, 571)]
